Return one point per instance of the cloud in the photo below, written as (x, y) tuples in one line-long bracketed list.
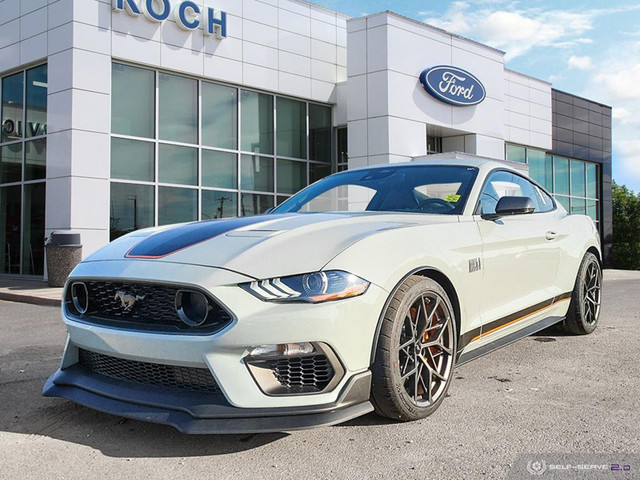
[(627, 163), (454, 20), (621, 84), (517, 30), (621, 114), (581, 63)]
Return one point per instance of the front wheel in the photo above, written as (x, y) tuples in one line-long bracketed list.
[(416, 349), (584, 310)]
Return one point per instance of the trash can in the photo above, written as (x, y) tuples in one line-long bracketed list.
[(64, 252)]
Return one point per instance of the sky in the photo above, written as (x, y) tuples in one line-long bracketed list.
[(588, 48)]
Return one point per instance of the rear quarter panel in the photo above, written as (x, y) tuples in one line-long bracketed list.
[(579, 234)]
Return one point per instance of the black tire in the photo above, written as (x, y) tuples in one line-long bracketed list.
[(584, 309), (434, 338)]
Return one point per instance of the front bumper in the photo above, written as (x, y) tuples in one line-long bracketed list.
[(197, 413), (346, 327)]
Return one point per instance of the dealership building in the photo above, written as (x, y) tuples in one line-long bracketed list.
[(124, 114)]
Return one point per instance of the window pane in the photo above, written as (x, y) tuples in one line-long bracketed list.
[(133, 94), (291, 122), (35, 159), (11, 163), (561, 175), (343, 155), (564, 201), (178, 105), (176, 205), (592, 184), (36, 101), (316, 172), (256, 173), (219, 116), (254, 204), (592, 209), (10, 229), (292, 176), (219, 169), (12, 91), (257, 122), (320, 133), (33, 235), (540, 167), (515, 153), (178, 164), (131, 208), (217, 204), (578, 182), (578, 206), (132, 160), (281, 199)]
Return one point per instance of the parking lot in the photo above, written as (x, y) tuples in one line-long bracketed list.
[(543, 396)]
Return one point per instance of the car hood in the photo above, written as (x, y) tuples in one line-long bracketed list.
[(262, 246)]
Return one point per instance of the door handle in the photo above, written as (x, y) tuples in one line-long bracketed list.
[(551, 235)]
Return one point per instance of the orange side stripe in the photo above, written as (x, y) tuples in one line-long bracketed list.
[(518, 319)]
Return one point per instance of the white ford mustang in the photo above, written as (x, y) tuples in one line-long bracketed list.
[(362, 292)]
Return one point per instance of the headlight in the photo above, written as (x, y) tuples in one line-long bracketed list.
[(311, 287)]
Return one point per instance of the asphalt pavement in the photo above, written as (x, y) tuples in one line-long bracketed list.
[(545, 399)]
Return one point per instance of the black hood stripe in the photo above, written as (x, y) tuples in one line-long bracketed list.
[(170, 241)]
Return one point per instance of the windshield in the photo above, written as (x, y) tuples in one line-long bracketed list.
[(441, 189)]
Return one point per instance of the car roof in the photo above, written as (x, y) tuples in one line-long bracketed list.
[(477, 162)]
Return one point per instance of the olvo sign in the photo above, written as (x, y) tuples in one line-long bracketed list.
[(452, 85), (187, 14)]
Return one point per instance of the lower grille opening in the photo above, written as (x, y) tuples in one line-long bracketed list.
[(170, 376), (303, 374), (306, 374)]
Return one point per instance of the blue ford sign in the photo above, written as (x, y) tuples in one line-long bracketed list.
[(452, 85)]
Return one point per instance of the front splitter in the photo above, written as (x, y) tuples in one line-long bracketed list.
[(198, 413)]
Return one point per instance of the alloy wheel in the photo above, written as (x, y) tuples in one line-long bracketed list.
[(591, 290), (425, 352)]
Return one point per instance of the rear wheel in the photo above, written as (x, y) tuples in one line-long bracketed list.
[(416, 349), (584, 310)]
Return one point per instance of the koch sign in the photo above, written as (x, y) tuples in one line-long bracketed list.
[(187, 14), (452, 85)]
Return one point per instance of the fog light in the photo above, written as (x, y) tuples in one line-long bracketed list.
[(192, 307), (80, 297), (282, 350)]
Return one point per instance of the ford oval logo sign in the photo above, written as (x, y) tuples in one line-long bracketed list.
[(452, 85)]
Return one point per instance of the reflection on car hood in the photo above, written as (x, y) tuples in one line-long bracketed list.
[(261, 246)]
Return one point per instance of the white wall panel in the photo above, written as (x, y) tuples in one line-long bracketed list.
[(33, 48)]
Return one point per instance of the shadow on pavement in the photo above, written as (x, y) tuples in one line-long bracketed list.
[(23, 410)]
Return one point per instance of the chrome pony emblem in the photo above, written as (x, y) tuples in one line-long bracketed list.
[(128, 300)]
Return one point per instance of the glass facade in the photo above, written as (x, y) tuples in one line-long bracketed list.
[(573, 183), (186, 149), (23, 154)]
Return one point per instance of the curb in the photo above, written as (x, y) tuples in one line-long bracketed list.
[(31, 299)]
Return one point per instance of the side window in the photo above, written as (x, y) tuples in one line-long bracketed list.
[(502, 183), (545, 201)]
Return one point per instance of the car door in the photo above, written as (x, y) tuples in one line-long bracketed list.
[(520, 252)]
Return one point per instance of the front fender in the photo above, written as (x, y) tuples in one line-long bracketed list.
[(387, 257)]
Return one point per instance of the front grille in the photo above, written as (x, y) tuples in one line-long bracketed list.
[(170, 376), (157, 301), (153, 311), (302, 374)]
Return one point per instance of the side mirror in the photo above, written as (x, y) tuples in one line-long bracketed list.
[(269, 210), (514, 206)]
